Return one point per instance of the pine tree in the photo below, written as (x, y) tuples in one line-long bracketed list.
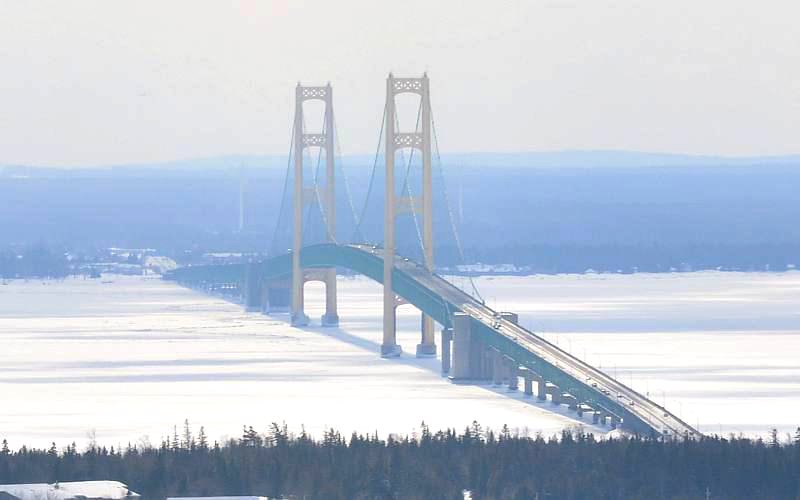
[(53, 451), (250, 437), (426, 432), (797, 437), (202, 439), (773, 438), (505, 433), (476, 431), (175, 443), (278, 435), (4, 449), (188, 440)]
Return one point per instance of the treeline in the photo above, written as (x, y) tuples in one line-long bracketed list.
[(652, 258), (428, 465), (35, 261)]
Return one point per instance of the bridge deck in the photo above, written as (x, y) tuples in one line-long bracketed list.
[(439, 298), (642, 407)]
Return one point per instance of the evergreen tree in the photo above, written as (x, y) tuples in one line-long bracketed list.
[(202, 440), (188, 441), (773, 438), (250, 437), (176, 445), (4, 448), (278, 435)]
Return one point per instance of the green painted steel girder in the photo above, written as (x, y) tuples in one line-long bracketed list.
[(369, 262)]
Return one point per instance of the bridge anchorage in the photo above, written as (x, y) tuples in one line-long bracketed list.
[(478, 345)]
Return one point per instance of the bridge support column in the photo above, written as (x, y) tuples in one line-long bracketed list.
[(253, 288), (541, 390), (447, 337), (596, 417), (481, 360), (461, 371), (389, 347), (555, 393), (527, 375), (571, 401), (277, 297), (513, 374), (497, 367), (298, 316), (331, 316), (427, 346)]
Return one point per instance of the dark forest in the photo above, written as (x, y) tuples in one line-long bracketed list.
[(428, 465)]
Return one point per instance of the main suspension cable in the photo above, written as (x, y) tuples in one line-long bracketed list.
[(449, 208), (271, 250), (339, 160), (358, 236)]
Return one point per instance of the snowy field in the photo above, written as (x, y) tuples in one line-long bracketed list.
[(127, 358)]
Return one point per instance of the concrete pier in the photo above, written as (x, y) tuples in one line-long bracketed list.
[(427, 346), (497, 368), (512, 368), (277, 297), (447, 337), (252, 288), (461, 369), (570, 400), (527, 375), (554, 391), (485, 367), (541, 390)]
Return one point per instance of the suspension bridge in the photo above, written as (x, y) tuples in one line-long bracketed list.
[(477, 344)]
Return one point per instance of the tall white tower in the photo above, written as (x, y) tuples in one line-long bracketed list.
[(304, 196), (393, 206)]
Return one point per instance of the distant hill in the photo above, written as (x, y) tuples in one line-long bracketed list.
[(551, 212)]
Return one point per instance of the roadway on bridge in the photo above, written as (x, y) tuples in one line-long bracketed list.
[(654, 415)]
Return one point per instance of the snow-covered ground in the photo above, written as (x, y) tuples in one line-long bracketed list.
[(69, 490), (721, 349), (126, 360)]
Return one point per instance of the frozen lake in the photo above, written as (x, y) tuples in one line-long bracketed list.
[(128, 358)]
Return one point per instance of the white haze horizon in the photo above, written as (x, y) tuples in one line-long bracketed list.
[(551, 158), (98, 83)]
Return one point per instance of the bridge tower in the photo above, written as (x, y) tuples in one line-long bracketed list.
[(305, 196), (396, 140)]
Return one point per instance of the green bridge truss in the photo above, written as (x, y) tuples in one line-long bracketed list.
[(439, 299)]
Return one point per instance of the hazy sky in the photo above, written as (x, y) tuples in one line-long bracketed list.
[(99, 82)]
